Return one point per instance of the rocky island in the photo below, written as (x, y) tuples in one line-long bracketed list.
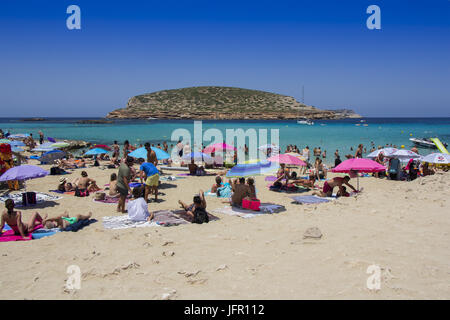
[(220, 103)]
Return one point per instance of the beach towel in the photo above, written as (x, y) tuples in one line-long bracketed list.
[(123, 222), (171, 178), (40, 197), (62, 192), (290, 189), (8, 235), (174, 168), (266, 208), (310, 199), (74, 227), (41, 233), (110, 200)]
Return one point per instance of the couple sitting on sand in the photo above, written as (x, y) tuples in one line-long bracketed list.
[(83, 185), (285, 174), (14, 219)]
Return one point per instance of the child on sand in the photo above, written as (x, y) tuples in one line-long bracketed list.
[(14, 220)]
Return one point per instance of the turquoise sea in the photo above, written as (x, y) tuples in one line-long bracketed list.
[(327, 134)]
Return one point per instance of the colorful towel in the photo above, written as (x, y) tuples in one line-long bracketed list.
[(110, 200), (266, 208), (9, 235), (40, 197)]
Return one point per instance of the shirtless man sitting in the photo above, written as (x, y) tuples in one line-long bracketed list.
[(329, 185), (86, 183), (240, 191)]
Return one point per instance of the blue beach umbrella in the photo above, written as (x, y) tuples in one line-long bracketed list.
[(142, 153), (16, 143), (252, 169), (96, 151)]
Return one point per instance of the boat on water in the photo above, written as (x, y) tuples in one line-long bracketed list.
[(151, 118), (305, 121), (426, 143)]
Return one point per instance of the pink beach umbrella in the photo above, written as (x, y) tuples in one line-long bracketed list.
[(359, 165), (287, 159), (218, 147)]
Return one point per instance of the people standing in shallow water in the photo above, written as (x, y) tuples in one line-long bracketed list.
[(14, 220)]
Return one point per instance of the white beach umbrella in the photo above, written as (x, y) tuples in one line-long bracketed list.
[(438, 158), (386, 151), (404, 155)]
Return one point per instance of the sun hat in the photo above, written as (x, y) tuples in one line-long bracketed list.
[(62, 180)]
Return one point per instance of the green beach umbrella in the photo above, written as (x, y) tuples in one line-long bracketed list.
[(5, 141)]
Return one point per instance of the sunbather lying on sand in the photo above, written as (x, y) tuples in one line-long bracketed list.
[(14, 220), (329, 185), (197, 210), (64, 220)]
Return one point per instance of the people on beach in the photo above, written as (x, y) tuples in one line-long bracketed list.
[(138, 208), (151, 154), (64, 220), (197, 210), (150, 175), (216, 185), (240, 191), (41, 137), (65, 186), (85, 183), (113, 186), (123, 182), (14, 219), (126, 149), (329, 185)]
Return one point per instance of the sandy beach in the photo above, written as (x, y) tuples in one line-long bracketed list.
[(402, 227)]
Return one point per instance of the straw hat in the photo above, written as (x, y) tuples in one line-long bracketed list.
[(62, 180)]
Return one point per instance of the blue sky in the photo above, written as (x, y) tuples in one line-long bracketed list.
[(134, 47)]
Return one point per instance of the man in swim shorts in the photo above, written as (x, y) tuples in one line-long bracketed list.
[(123, 181), (329, 185), (151, 174)]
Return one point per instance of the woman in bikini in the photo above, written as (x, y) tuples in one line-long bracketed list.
[(14, 220)]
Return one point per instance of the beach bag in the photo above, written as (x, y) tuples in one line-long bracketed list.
[(251, 204), (100, 196), (56, 171), (200, 216), (81, 193), (28, 198)]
